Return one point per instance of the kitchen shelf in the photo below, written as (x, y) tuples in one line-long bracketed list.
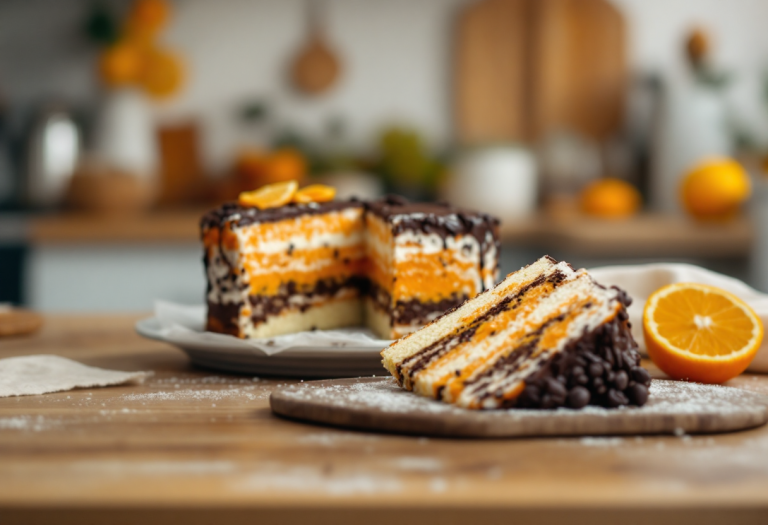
[(646, 234)]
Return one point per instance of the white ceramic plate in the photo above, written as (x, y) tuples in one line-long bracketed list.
[(230, 354)]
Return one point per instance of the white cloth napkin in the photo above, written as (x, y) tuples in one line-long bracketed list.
[(642, 280), (41, 374)]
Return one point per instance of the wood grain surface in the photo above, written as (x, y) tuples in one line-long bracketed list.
[(18, 321), (526, 68), (378, 403), (579, 73), (194, 447), (491, 81)]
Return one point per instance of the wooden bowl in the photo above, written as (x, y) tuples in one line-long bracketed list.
[(110, 191)]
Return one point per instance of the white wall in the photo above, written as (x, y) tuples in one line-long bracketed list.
[(396, 56), (739, 39), (113, 278)]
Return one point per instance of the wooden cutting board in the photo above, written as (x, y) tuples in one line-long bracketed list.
[(490, 71), (579, 70), (380, 404), (524, 68)]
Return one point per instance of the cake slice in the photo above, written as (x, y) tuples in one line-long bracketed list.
[(546, 336), (300, 266), (425, 259), (284, 269)]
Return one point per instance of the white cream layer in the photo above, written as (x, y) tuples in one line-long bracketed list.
[(254, 238)]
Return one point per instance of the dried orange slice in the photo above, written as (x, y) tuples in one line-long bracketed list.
[(700, 333), (269, 196), (315, 193)]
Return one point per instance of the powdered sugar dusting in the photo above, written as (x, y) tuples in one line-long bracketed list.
[(385, 395), (666, 397), (687, 403), (26, 423), (247, 393)]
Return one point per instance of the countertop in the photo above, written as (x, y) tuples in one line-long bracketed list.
[(193, 447), (646, 235)]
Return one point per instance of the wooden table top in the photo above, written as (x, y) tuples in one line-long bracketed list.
[(200, 447)]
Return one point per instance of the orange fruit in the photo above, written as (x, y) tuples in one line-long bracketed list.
[(700, 333), (610, 198), (269, 196), (715, 189), (284, 164), (149, 15), (161, 74), (315, 193), (121, 64)]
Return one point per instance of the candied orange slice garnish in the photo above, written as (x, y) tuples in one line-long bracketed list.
[(315, 193), (269, 196)]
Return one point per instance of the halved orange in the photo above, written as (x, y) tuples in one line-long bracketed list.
[(315, 193), (269, 196), (700, 333)]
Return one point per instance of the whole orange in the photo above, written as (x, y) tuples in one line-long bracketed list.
[(149, 15), (715, 189), (120, 64), (610, 198), (283, 165), (161, 74)]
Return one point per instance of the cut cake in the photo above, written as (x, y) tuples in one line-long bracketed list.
[(391, 264), (546, 336)]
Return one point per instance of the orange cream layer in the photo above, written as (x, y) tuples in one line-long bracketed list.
[(434, 276), (305, 228), (267, 271), (549, 339), (455, 384), (491, 327), (268, 283), (345, 223)]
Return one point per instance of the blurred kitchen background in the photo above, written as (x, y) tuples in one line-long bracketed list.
[(575, 121)]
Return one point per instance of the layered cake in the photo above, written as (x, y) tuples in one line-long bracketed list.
[(546, 336), (425, 259), (391, 264)]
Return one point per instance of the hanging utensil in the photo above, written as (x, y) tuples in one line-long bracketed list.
[(316, 68)]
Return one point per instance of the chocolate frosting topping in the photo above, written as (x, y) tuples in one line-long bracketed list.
[(439, 217), (245, 215)]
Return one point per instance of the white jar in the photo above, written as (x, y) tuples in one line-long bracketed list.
[(500, 180), (125, 135)]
